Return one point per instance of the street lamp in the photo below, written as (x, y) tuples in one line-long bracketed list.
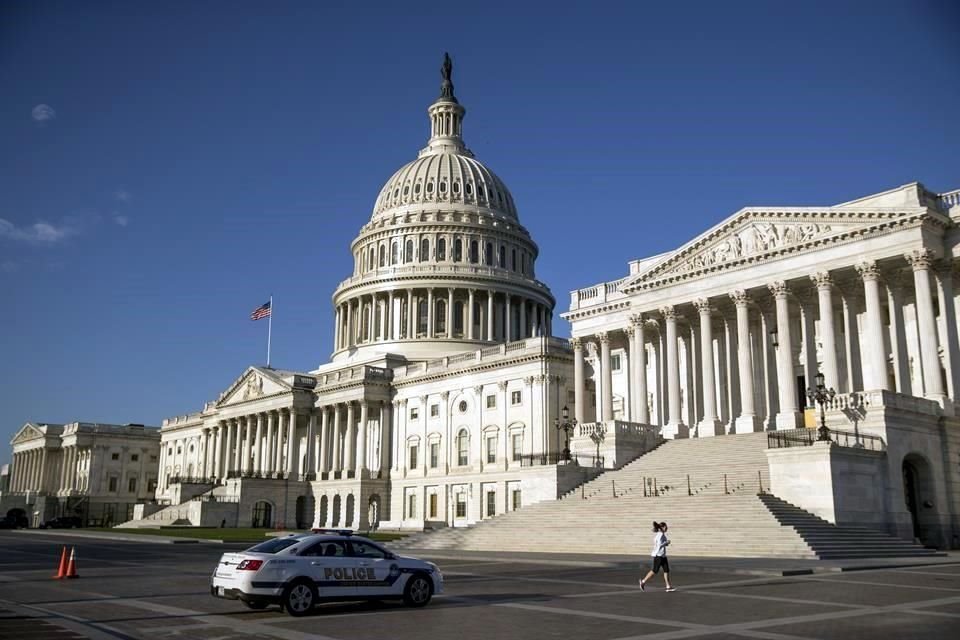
[(598, 435), (820, 394), (566, 425)]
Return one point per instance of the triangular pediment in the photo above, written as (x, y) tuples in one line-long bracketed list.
[(27, 432), (755, 234), (254, 383)]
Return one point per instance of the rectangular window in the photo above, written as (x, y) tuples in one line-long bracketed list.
[(151, 485), (516, 499), (491, 450), (414, 414), (153, 458), (434, 455), (462, 452), (433, 505), (132, 485), (134, 457), (114, 456), (491, 402), (461, 505), (413, 456), (491, 503), (517, 446), (516, 397), (615, 362), (112, 485), (434, 410), (412, 505)]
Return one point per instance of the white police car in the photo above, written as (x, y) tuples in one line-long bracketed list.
[(300, 570)]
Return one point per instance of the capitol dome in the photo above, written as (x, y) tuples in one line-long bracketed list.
[(443, 265)]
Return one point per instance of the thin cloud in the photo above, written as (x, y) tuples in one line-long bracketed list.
[(9, 266), (121, 220), (122, 195), (43, 113), (38, 233)]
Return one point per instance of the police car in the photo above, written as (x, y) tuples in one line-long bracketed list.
[(301, 570)]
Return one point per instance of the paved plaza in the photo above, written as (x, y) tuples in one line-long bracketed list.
[(144, 590)]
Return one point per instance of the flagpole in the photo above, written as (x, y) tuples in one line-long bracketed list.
[(269, 330)]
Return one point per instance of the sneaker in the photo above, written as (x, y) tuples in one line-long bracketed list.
[(669, 589), (641, 586)]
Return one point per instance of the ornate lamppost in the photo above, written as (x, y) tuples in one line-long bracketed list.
[(598, 435), (566, 425), (820, 394)]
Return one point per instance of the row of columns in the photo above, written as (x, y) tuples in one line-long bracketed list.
[(32, 470), (473, 250), (399, 315), (874, 352)]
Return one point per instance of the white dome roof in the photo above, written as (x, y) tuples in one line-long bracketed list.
[(444, 179)]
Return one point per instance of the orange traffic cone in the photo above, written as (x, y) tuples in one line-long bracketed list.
[(72, 565), (62, 571)]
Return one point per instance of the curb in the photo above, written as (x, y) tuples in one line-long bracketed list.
[(150, 539)]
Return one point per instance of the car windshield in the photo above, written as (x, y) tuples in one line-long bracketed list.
[(274, 546)]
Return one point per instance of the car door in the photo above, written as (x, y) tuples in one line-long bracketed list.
[(377, 572), (330, 565)]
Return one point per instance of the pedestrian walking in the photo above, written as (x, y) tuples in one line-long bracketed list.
[(659, 555)]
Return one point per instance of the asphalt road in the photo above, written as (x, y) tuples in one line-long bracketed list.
[(130, 590)]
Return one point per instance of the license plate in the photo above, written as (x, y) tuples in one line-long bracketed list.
[(220, 591)]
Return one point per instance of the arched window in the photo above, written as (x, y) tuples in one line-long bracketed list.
[(457, 249), (502, 257), (513, 259), (442, 249), (370, 258), (395, 253), (474, 252), (408, 253), (488, 257), (523, 262), (463, 448), (424, 250), (382, 261), (440, 316), (422, 317)]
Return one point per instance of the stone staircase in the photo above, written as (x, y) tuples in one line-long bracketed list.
[(721, 515)]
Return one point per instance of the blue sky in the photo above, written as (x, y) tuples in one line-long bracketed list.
[(164, 167)]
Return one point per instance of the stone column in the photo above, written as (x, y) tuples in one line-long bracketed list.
[(921, 262), (386, 431), (310, 464), (238, 464), (391, 317), (247, 464), (430, 314), (335, 448), (411, 327), (948, 317), (292, 465), (349, 452), (490, 326), (606, 378), (674, 427), (362, 438), (258, 445), (523, 319), (898, 334), (471, 294), (228, 447), (450, 312), (876, 375), (351, 332), (217, 451), (788, 418), (710, 424), (278, 464), (852, 341), (747, 421), (269, 454), (578, 395), (323, 465), (507, 319), (642, 414), (828, 334)]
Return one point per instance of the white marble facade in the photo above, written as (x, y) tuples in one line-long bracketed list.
[(439, 400), (725, 334), (96, 471)]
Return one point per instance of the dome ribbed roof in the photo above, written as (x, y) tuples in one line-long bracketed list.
[(444, 179)]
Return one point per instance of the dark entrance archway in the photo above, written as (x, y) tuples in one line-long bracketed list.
[(919, 498), (19, 516), (336, 511), (262, 515)]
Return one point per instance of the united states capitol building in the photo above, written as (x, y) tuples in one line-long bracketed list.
[(440, 401)]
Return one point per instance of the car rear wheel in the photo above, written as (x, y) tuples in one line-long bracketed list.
[(299, 597), (418, 591)]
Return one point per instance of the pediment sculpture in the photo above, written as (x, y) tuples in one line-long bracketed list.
[(253, 388)]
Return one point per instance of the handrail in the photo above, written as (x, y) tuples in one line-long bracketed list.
[(806, 438)]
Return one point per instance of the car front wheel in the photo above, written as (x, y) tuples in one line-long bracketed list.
[(299, 598), (418, 591)]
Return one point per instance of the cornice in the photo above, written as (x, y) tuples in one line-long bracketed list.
[(597, 310), (525, 286), (482, 368)]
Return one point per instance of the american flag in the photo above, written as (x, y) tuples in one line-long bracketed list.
[(263, 311)]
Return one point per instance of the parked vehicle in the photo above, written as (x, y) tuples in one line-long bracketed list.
[(14, 522), (63, 522)]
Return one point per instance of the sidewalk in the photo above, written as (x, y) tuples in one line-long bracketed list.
[(738, 566), (123, 537)]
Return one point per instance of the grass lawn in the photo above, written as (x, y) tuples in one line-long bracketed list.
[(226, 534)]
